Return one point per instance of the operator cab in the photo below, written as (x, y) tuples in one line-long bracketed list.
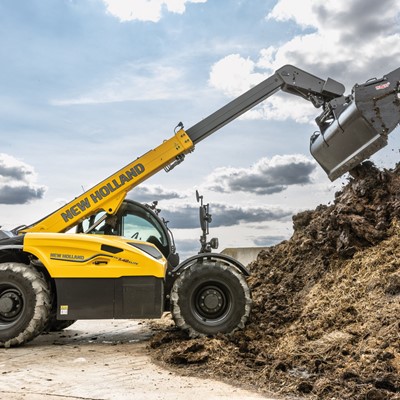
[(137, 221)]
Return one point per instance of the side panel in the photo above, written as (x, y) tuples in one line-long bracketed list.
[(94, 256), (122, 298), (87, 298), (139, 297)]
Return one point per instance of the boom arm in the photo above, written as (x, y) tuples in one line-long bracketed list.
[(110, 193), (351, 129), (288, 78)]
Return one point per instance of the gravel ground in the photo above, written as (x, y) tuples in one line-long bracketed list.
[(100, 360)]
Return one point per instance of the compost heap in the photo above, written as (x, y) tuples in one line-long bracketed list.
[(326, 304)]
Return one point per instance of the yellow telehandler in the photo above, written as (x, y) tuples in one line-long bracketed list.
[(122, 263)]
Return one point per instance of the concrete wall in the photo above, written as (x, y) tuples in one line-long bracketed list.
[(243, 254)]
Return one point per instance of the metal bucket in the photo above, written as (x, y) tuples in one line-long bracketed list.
[(361, 128)]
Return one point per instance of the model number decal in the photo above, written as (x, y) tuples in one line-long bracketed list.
[(81, 259)]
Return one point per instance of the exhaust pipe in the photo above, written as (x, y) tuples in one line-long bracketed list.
[(355, 127)]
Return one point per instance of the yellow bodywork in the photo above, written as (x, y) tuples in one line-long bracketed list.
[(94, 256)]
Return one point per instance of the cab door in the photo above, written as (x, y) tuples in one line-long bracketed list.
[(133, 220)]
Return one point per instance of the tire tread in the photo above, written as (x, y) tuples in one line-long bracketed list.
[(42, 305)]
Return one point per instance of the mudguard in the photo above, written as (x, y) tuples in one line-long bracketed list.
[(203, 257)]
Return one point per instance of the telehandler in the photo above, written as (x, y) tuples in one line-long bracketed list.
[(49, 276)]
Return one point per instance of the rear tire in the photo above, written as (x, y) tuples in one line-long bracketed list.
[(24, 304), (210, 298)]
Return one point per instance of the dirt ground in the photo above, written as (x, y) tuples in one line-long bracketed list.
[(100, 360), (326, 304)]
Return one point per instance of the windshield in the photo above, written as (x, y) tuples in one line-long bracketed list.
[(132, 221)]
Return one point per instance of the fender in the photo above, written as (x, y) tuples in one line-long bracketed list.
[(211, 256), (10, 241), (11, 247)]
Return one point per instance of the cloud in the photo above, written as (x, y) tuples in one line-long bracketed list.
[(150, 193), (267, 176), (230, 215), (146, 10), (268, 240), (17, 182), (187, 245), (187, 248), (347, 41), (20, 194), (281, 107), (133, 82), (234, 75), (187, 216), (333, 16)]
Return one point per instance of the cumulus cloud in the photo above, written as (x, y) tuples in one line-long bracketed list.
[(17, 182), (150, 193), (347, 41), (187, 216), (230, 215), (234, 75), (146, 10), (350, 40), (267, 176)]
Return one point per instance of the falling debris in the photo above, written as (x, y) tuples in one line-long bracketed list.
[(326, 304)]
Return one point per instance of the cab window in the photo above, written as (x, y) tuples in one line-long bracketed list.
[(138, 223)]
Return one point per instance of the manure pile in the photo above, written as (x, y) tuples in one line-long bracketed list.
[(326, 304)]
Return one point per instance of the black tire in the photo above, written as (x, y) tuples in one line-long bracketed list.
[(24, 304), (210, 298)]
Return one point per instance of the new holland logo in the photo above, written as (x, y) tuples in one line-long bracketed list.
[(101, 193)]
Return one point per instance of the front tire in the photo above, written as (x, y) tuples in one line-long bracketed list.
[(24, 304), (210, 298)]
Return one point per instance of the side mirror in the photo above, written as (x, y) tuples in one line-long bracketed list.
[(214, 243)]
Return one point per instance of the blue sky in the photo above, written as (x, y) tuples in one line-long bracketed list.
[(89, 85)]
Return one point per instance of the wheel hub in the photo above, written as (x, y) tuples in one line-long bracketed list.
[(211, 301), (10, 304)]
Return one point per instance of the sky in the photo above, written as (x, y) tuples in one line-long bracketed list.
[(87, 86)]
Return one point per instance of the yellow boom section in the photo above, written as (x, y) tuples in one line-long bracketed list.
[(110, 193)]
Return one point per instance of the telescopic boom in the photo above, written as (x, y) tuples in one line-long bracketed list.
[(351, 129)]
